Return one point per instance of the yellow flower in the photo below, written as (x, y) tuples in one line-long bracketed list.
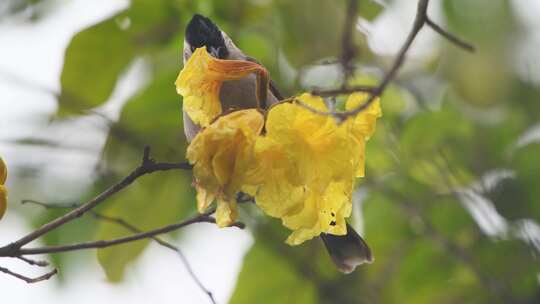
[(323, 211), (365, 121), (222, 155), (306, 165), (3, 190), (201, 79)]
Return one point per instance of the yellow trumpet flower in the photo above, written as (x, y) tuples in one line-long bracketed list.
[(306, 166), (222, 155), (3, 190), (201, 78)]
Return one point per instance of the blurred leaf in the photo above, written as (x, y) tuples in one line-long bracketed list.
[(317, 23), (480, 79), (369, 9), (153, 118), (97, 56), (94, 60), (431, 275), (267, 277), (521, 197), (517, 280), (73, 232), (151, 22), (480, 20), (427, 132), (156, 200)]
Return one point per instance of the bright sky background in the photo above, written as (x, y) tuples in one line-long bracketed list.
[(30, 66)]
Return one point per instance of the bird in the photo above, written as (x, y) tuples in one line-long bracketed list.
[(346, 251), (238, 94)]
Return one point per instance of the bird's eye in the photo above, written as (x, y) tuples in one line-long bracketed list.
[(222, 52), (192, 49)]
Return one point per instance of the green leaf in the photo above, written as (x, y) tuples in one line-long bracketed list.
[(94, 60), (369, 9), (97, 56), (427, 132), (154, 201), (316, 24), (153, 118), (70, 233), (268, 277)]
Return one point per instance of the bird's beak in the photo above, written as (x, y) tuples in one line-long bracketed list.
[(214, 52)]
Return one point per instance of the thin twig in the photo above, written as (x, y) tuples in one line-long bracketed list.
[(29, 280), (33, 262), (130, 227), (50, 206), (187, 265), (121, 222), (345, 90), (147, 166), (420, 21), (201, 218), (451, 37), (348, 49)]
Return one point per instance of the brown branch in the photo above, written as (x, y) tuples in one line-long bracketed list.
[(344, 90), (348, 49), (147, 166), (187, 265), (497, 289), (201, 218), (28, 280), (420, 21), (449, 36), (33, 262), (134, 229)]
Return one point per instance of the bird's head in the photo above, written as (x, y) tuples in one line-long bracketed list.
[(201, 31)]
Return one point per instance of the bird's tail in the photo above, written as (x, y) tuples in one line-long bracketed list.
[(347, 251)]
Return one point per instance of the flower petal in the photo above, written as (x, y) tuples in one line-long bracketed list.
[(3, 171), (222, 155), (307, 164), (3, 200), (201, 79), (226, 213)]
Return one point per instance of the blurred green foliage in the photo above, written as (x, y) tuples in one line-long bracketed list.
[(429, 145)]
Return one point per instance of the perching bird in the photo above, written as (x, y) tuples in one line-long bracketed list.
[(238, 94), (347, 251)]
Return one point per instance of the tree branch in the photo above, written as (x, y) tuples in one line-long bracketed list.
[(420, 21), (28, 280), (201, 218), (147, 166), (163, 243), (33, 262), (348, 49), (134, 229), (451, 37), (344, 90)]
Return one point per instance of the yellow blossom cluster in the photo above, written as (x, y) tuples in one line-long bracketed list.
[(307, 164), (300, 166), (222, 155)]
